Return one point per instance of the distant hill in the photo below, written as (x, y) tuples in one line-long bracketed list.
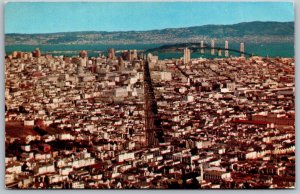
[(256, 32)]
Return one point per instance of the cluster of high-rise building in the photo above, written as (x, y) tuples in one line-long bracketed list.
[(121, 121)]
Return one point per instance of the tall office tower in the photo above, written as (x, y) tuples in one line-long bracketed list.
[(134, 54), (128, 55), (83, 58), (121, 65), (212, 52), (149, 56), (226, 49), (111, 53), (202, 47), (186, 55), (242, 49)]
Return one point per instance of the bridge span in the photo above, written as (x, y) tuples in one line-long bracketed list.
[(195, 47)]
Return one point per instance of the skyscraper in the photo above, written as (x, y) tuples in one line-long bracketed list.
[(134, 54), (83, 58), (186, 55), (111, 53), (149, 56), (121, 66)]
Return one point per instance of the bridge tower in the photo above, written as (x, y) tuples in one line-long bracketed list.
[(226, 49), (202, 47), (219, 52), (212, 52), (242, 49)]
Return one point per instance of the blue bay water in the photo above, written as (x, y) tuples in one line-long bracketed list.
[(263, 49)]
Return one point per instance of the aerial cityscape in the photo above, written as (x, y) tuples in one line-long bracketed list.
[(166, 105)]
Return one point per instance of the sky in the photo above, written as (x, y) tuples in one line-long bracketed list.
[(49, 17)]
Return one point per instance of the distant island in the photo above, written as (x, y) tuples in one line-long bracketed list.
[(254, 32)]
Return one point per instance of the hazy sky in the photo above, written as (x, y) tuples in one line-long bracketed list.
[(22, 17)]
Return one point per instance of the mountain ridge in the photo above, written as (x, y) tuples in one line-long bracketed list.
[(255, 31), (120, 31)]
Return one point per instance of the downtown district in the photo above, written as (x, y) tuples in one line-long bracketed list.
[(79, 122)]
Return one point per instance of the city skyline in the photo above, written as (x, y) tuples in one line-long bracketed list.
[(93, 16), (206, 107)]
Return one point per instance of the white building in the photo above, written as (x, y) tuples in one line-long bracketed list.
[(186, 55)]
